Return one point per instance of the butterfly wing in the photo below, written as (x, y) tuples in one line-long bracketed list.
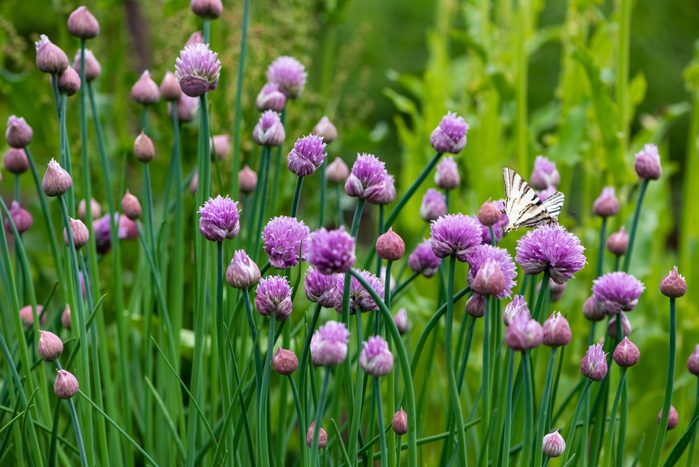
[(523, 206)]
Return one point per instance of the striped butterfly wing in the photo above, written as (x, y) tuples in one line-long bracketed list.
[(523, 206)]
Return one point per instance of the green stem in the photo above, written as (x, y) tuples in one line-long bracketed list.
[(221, 337), (263, 198), (485, 377), (573, 424), (338, 206), (304, 358), (542, 417), (522, 63), (255, 343), (238, 115), (177, 288), (297, 196), (621, 87), (634, 223), (612, 417), (602, 247), (277, 174), (528, 407), (300, 417), (692, 445), (507, 430), (622, 423), (356, 414), (78, 433), (453, 392), (263, 402), (382, 432), (323, 193), (662, 427), (319, 418), (543, 290)]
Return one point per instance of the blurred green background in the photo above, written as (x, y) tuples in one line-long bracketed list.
[(530, 77)]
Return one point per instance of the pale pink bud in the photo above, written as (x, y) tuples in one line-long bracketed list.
[(56, 180), (66, 385), (50, 346), (284, 361)]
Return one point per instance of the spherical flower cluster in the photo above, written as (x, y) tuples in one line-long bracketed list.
[(289, 74), (329, 344), (360, 299), (219, 219), (376, 358), (273, 297), (270, 98), (308, 154), (330, 251), (197, 69), (324, 289), (269, 130), (368, 179), (647, 163), (606, 204), (434, 205), (283, 237), (242, 272), (446, 175), (423, 260), (492, 271), (553, 249), (518, 305), (545, 174), (594, 363), (617, 291), (455, 235), (523, 333), (145, 91), (450, 134), (557, 330)]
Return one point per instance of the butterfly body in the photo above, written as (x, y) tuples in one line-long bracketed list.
[(523, 207)]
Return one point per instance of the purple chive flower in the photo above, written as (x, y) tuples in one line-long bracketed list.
[(450, 134), (242, 272), (673, 284), (269, 130), (282, 237), (626, 354), (446, 175), (308, 154), (434, 205), (523, 333), (617, 291), (545, 174), (553, 249), (455, 234), (547, 193), (625, 325), (553, 444), (517, 306), (145, 91), (693, 362), (330, 251), (270, 98), (498, 226), (126, 230), (329, 344), (18, 133), (49, 57), (484, 258), (360, 297), (367, 180), (475, 306), (557, 330), (594, 363), (197, 69), (22, 218), (219, 219), (376, 358), (647, 163), (386, 193), (324, 289), (423, 260), (606, 204), (273, 297), (289, 74)]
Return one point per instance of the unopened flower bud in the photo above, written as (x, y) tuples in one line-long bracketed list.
[(617, 242), (49, 57), (66, 320), (242, 271), (56, 180), (170, 87), (446, 176), (26, 315), (18, 133), (220, 146), (284, 361), (489, 280), (400, 319), (673, 284), (400, 422), (592, 311), (693, 362), (50, 346), (606, 204), (247, 179), (647, 163), (625, 325), (66, 385), (271, 98), (130, 206), (553, 444), (82, 23), (390, 246), (672, 420), (326, 130), (556, 290), (626, 353), (194, 183), (489, 214), (557, 330), (337, 172), (79, 232), (210, 9), (145, 91), (95, 209), (475, 306), (21, 218), (69, 81), (594, 363), (92, 66), (143, 148), (15, 161), (322, 436)]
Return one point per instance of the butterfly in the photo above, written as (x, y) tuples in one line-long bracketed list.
[(523, 207)]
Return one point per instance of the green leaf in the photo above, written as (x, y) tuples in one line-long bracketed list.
[(682, 444)]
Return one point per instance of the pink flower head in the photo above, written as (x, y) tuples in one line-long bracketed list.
[(545, 174), (49, 57), (606, 204), (330, 251), (423, 260), (523, 333), (360, 298), (289, 74), (197, 69), (270, 98), (450, 134), (486, 257), (367, 180), (594, 363), (283, 237), (219, 219), (242, 272), (551, 248), (617, 291), (376, 358), (308, 154), (269, 130), (329, 344), (273, 297), (647, 163), (324, 289), (434, 205), (446, 175), (455, 235), (517, 306)]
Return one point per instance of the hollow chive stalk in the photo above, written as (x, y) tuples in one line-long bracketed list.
[(582, 401), (263, 198), (276, 175), (356, 414), (238, 113), (382, 432), (263, 401), (634, 224), (319, 417), (76, 426), (304, 359), (404, 363), (222, 336), (662, 427), (543, 415), (507, 430), (323, 192), (612, 417), (692, 444), (297, 196)]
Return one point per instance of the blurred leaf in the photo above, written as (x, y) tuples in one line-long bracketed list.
[(682, 444)]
